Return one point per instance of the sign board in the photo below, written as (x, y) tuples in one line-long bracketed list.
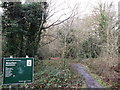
[(18, 70)]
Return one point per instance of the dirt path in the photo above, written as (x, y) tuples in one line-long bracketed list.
[(90, 81)]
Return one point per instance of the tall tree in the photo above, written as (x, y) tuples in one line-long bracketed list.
[(22, 27)]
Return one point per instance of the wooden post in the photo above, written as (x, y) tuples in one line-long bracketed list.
[(10, 87)]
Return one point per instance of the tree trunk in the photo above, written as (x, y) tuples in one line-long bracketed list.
[(0, 46), (118, 42)]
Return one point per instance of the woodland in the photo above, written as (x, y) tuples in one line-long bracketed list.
[(93, 41)]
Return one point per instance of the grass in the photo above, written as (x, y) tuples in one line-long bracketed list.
[(100, 81), (0, 81), (101, 68)]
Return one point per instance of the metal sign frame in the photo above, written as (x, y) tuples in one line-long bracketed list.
[(20, 70)]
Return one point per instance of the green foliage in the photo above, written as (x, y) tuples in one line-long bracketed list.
[(90, 49), (71, 52), (103, 23), (22, 27), (69, 40), (53, 75)]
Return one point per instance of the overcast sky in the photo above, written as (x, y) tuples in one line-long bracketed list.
[(85, 6)]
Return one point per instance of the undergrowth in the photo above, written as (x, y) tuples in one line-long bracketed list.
[(53, 74)]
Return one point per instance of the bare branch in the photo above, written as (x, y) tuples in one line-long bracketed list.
[(49, 42), (57, 21)]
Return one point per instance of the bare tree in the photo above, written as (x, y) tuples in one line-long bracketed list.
[(0, 45), (118, 42), (44, 26)]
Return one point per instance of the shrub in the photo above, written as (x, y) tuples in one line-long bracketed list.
[(90, 48)]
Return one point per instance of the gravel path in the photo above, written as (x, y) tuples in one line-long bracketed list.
[(90, 81)]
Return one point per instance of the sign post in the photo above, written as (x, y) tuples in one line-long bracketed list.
[(18, 70)]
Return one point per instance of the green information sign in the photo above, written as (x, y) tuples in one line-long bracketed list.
[(18, 70)]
